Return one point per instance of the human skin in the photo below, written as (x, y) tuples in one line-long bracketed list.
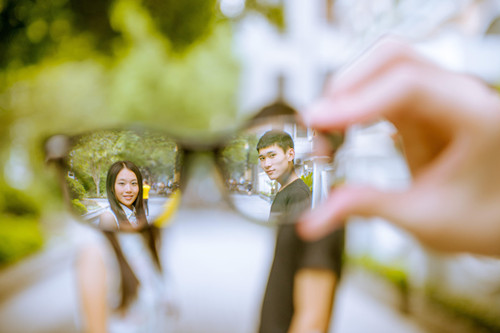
[(449, 124), (277, 163), (91, 279), (126, 187), (313, 299)]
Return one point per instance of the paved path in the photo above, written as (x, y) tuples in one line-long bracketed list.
[(218, 264)]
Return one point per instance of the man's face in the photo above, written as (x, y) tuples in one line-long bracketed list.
[(275, 162)]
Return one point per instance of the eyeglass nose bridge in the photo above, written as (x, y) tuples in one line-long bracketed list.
[(202, 180), (56, 150)]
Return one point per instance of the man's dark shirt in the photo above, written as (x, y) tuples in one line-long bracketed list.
[(291, 254)]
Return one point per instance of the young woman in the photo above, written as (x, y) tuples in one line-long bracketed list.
[(125, 196), (119, 275)]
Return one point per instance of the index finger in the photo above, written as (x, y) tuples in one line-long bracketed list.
[(385, 54)]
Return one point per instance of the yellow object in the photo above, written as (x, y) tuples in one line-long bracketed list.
[(145, 191), (169, 209)]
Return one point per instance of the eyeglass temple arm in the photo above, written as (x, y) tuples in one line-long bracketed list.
[(56, 149)]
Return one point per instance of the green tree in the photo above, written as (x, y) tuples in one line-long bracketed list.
[(151, 151), (31, 30), (95, 152), (239, 155), (92, 154), (183, 22)]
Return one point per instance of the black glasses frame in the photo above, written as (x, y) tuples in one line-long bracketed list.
[(58, 146)]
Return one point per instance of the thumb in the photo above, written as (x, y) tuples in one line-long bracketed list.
[(342, 203)]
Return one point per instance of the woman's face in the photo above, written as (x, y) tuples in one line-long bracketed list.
[(126, 187)]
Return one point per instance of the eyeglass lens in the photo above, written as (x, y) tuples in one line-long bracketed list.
[(272, 172)]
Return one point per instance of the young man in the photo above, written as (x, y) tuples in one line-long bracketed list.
[(301, 286)]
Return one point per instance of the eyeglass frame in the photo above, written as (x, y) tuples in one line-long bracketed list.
[(57, 153)]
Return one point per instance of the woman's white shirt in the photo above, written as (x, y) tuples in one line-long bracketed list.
[(148, 312)]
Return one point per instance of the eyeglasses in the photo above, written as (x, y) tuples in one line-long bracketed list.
[(253, 164)]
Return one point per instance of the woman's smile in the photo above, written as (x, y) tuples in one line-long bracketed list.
[(126, 187)]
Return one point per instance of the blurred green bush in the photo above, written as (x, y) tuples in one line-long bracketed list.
[(18, 203), (19, 237), (77, 191), (79, 207), (394, 273), (481, 316), (20, 232), (478, 315)]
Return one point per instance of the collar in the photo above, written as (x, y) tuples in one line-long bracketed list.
[(130, 214)]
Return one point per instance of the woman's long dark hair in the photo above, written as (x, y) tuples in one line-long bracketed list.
[(129, 282), (138, 204)]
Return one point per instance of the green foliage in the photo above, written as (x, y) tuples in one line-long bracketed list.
[(186, 96), (31, 30), (70, 66), (94, 153), (19, 237), (153, 152), (79, 207), (6, 119), (88, 184), (77, 191), (93, 17), (481, 316), (20, 233), (16, 202), (239, 155), (24, 31), (142, 81), (273, 13), (183, 22), (308, 179), (393, 273)]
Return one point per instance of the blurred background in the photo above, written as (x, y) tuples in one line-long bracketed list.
[(196, 68)]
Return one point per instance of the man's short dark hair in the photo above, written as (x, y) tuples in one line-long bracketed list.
[(274, 137)]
